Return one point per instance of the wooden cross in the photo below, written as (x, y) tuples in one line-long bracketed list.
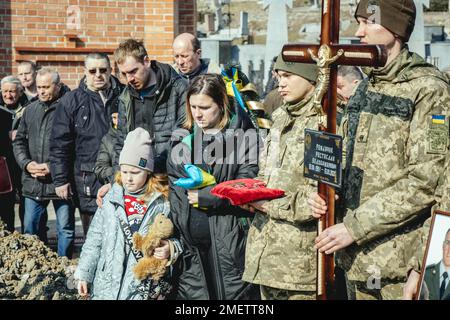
[(328, 55)]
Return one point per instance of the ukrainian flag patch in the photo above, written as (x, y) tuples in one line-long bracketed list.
[(438, 119), (438, 134)]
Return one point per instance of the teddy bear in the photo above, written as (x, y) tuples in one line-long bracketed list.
[(162, 228)]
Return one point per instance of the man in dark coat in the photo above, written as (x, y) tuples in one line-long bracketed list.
[(79, 125), (154, 99), (31, 149), (12, 104)]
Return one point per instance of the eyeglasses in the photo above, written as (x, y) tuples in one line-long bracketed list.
[(101, 70)]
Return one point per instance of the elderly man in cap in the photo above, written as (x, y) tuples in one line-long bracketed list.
[(279, 254), (396, 137)]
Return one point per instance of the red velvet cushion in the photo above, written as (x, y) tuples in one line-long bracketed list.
[(242, 191)]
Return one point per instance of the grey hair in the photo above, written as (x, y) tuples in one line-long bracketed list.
[(47, 70), (351, 73), (12, 80), (29, 62), (97, 55)]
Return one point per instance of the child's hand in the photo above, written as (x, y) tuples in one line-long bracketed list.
[(163, 251), (83, 288)]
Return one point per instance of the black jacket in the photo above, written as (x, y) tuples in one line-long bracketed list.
[(228, 225), (32, 143), (78, 127), (167, 112), (202, 69), (10, 120), (104, 165)]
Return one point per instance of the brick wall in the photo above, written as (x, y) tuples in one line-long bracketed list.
[(187, 16), (60, 33)]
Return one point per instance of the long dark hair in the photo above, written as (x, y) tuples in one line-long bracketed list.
[(211, 85)]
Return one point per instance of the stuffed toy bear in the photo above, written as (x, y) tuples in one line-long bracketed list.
[(162, 228)]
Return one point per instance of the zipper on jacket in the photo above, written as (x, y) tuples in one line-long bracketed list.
[(46, 109)]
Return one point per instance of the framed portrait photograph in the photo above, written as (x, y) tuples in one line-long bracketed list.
[(434, 281)]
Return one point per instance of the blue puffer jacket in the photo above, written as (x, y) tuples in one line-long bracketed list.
[(106, 261)]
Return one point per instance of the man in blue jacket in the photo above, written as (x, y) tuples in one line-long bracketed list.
[(79, 125)]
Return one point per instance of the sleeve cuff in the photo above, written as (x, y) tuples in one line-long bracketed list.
[(25, 163), (83, 275), (355, 228)]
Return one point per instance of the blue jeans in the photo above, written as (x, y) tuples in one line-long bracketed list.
[(65, 221)]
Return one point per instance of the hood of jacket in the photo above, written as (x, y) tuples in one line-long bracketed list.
[(405, 67)]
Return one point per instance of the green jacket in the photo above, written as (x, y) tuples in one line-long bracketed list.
[(395, 151), (433, 282), (280, 251)]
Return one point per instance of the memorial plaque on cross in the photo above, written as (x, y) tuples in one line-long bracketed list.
[(328, 55)]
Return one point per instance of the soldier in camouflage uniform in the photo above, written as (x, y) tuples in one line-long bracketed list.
[(280, 255), (396, 137)]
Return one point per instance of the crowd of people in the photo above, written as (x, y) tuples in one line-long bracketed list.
[(116, 147)]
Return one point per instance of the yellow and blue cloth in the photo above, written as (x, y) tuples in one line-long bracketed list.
[(197, 179)]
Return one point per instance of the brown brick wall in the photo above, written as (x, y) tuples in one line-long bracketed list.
[(187, 16), (43, 24)]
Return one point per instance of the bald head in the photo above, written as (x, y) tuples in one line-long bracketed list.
[(187, 53)]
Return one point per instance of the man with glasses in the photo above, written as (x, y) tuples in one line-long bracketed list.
[(80, 122)]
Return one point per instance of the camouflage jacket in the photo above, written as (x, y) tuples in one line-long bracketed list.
[(396, 137), (442, 197), (443, 190), (280, 251)]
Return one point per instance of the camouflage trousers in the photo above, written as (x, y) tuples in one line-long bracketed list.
[(358, 290), (269, 293)]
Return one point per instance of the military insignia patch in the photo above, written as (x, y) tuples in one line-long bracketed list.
[(438, 132), (142, 162)]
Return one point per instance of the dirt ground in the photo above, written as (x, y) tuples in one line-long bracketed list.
[(29, 270)]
